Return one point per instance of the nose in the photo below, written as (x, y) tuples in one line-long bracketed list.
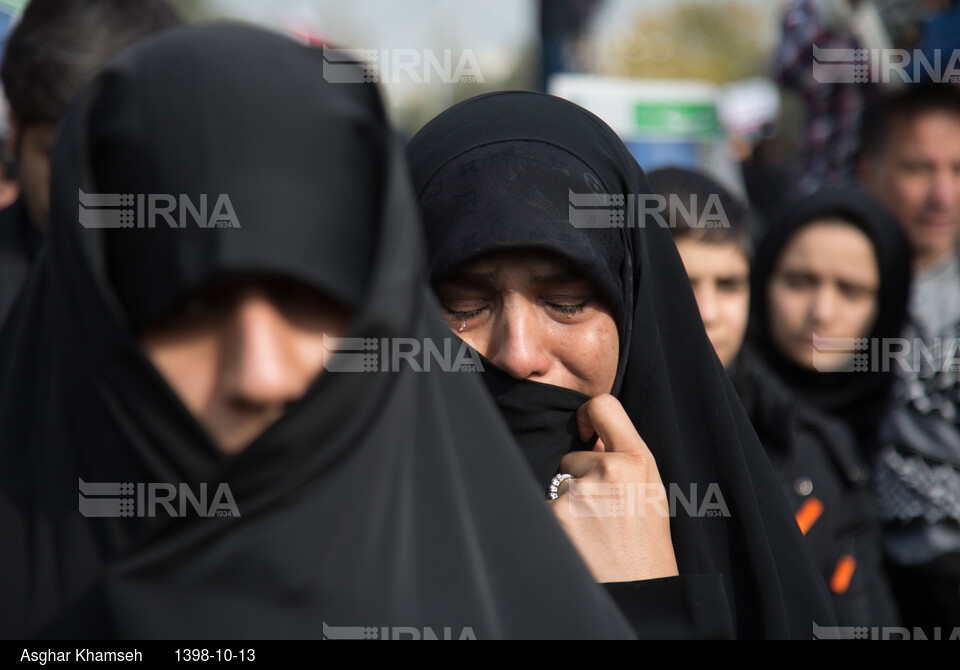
[(262, 364), (824, 305), (945, 188), (517, 341)]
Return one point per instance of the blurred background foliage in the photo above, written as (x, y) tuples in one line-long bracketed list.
[(711, 40), (720, 42)]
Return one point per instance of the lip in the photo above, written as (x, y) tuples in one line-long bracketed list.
[(937, 223), (807, 340)]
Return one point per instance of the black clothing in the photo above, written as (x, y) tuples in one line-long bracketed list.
[(861, 395), (376, 501), (828, 486), (669, 381)]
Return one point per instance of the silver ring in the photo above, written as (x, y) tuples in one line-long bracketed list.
[(555, 485)]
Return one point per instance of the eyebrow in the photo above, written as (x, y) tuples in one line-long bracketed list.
[(853, 283), (859, 285)]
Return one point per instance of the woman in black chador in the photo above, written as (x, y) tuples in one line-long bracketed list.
[(581, 306), (159, 358)]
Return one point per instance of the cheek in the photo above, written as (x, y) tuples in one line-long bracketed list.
[(910, 198), (311, 352), (591, 351), (786, 315), (478, 338), (861, 318), (736, 310), (311, 341), (787, 310)]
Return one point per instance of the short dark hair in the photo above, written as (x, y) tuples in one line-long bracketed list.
[(58, 45), (684, 183), (880, 119)]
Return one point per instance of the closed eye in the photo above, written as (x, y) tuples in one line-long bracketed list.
[(566, 305), (469, 314)]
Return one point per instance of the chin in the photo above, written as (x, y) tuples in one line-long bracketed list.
[(235, 441)]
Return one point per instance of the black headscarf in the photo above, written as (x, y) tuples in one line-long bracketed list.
[(670, 381), (377, 500), (859, 398)]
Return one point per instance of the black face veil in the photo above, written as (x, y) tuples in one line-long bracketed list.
[(392, 499), (670, 381)]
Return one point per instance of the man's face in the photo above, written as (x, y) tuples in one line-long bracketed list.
[(239, 355), (33, 144), (536, 318), (720, 277), (917, 175)]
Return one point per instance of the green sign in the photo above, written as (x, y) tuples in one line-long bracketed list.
[(12, 6), (686, 120)]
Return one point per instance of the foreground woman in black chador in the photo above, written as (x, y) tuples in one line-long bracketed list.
[(590, 328), (149, 359)]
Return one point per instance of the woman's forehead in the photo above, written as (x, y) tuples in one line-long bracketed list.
[(834, 246), (537, 265)]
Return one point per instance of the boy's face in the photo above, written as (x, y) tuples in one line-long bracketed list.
[(720, 277)]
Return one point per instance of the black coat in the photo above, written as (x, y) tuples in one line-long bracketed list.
[(828, 485)]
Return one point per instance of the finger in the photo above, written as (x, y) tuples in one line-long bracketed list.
[(605, 416), (596, 444), (581, 464), (611, 467)]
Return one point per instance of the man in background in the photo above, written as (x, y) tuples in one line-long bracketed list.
[(910, 159)]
